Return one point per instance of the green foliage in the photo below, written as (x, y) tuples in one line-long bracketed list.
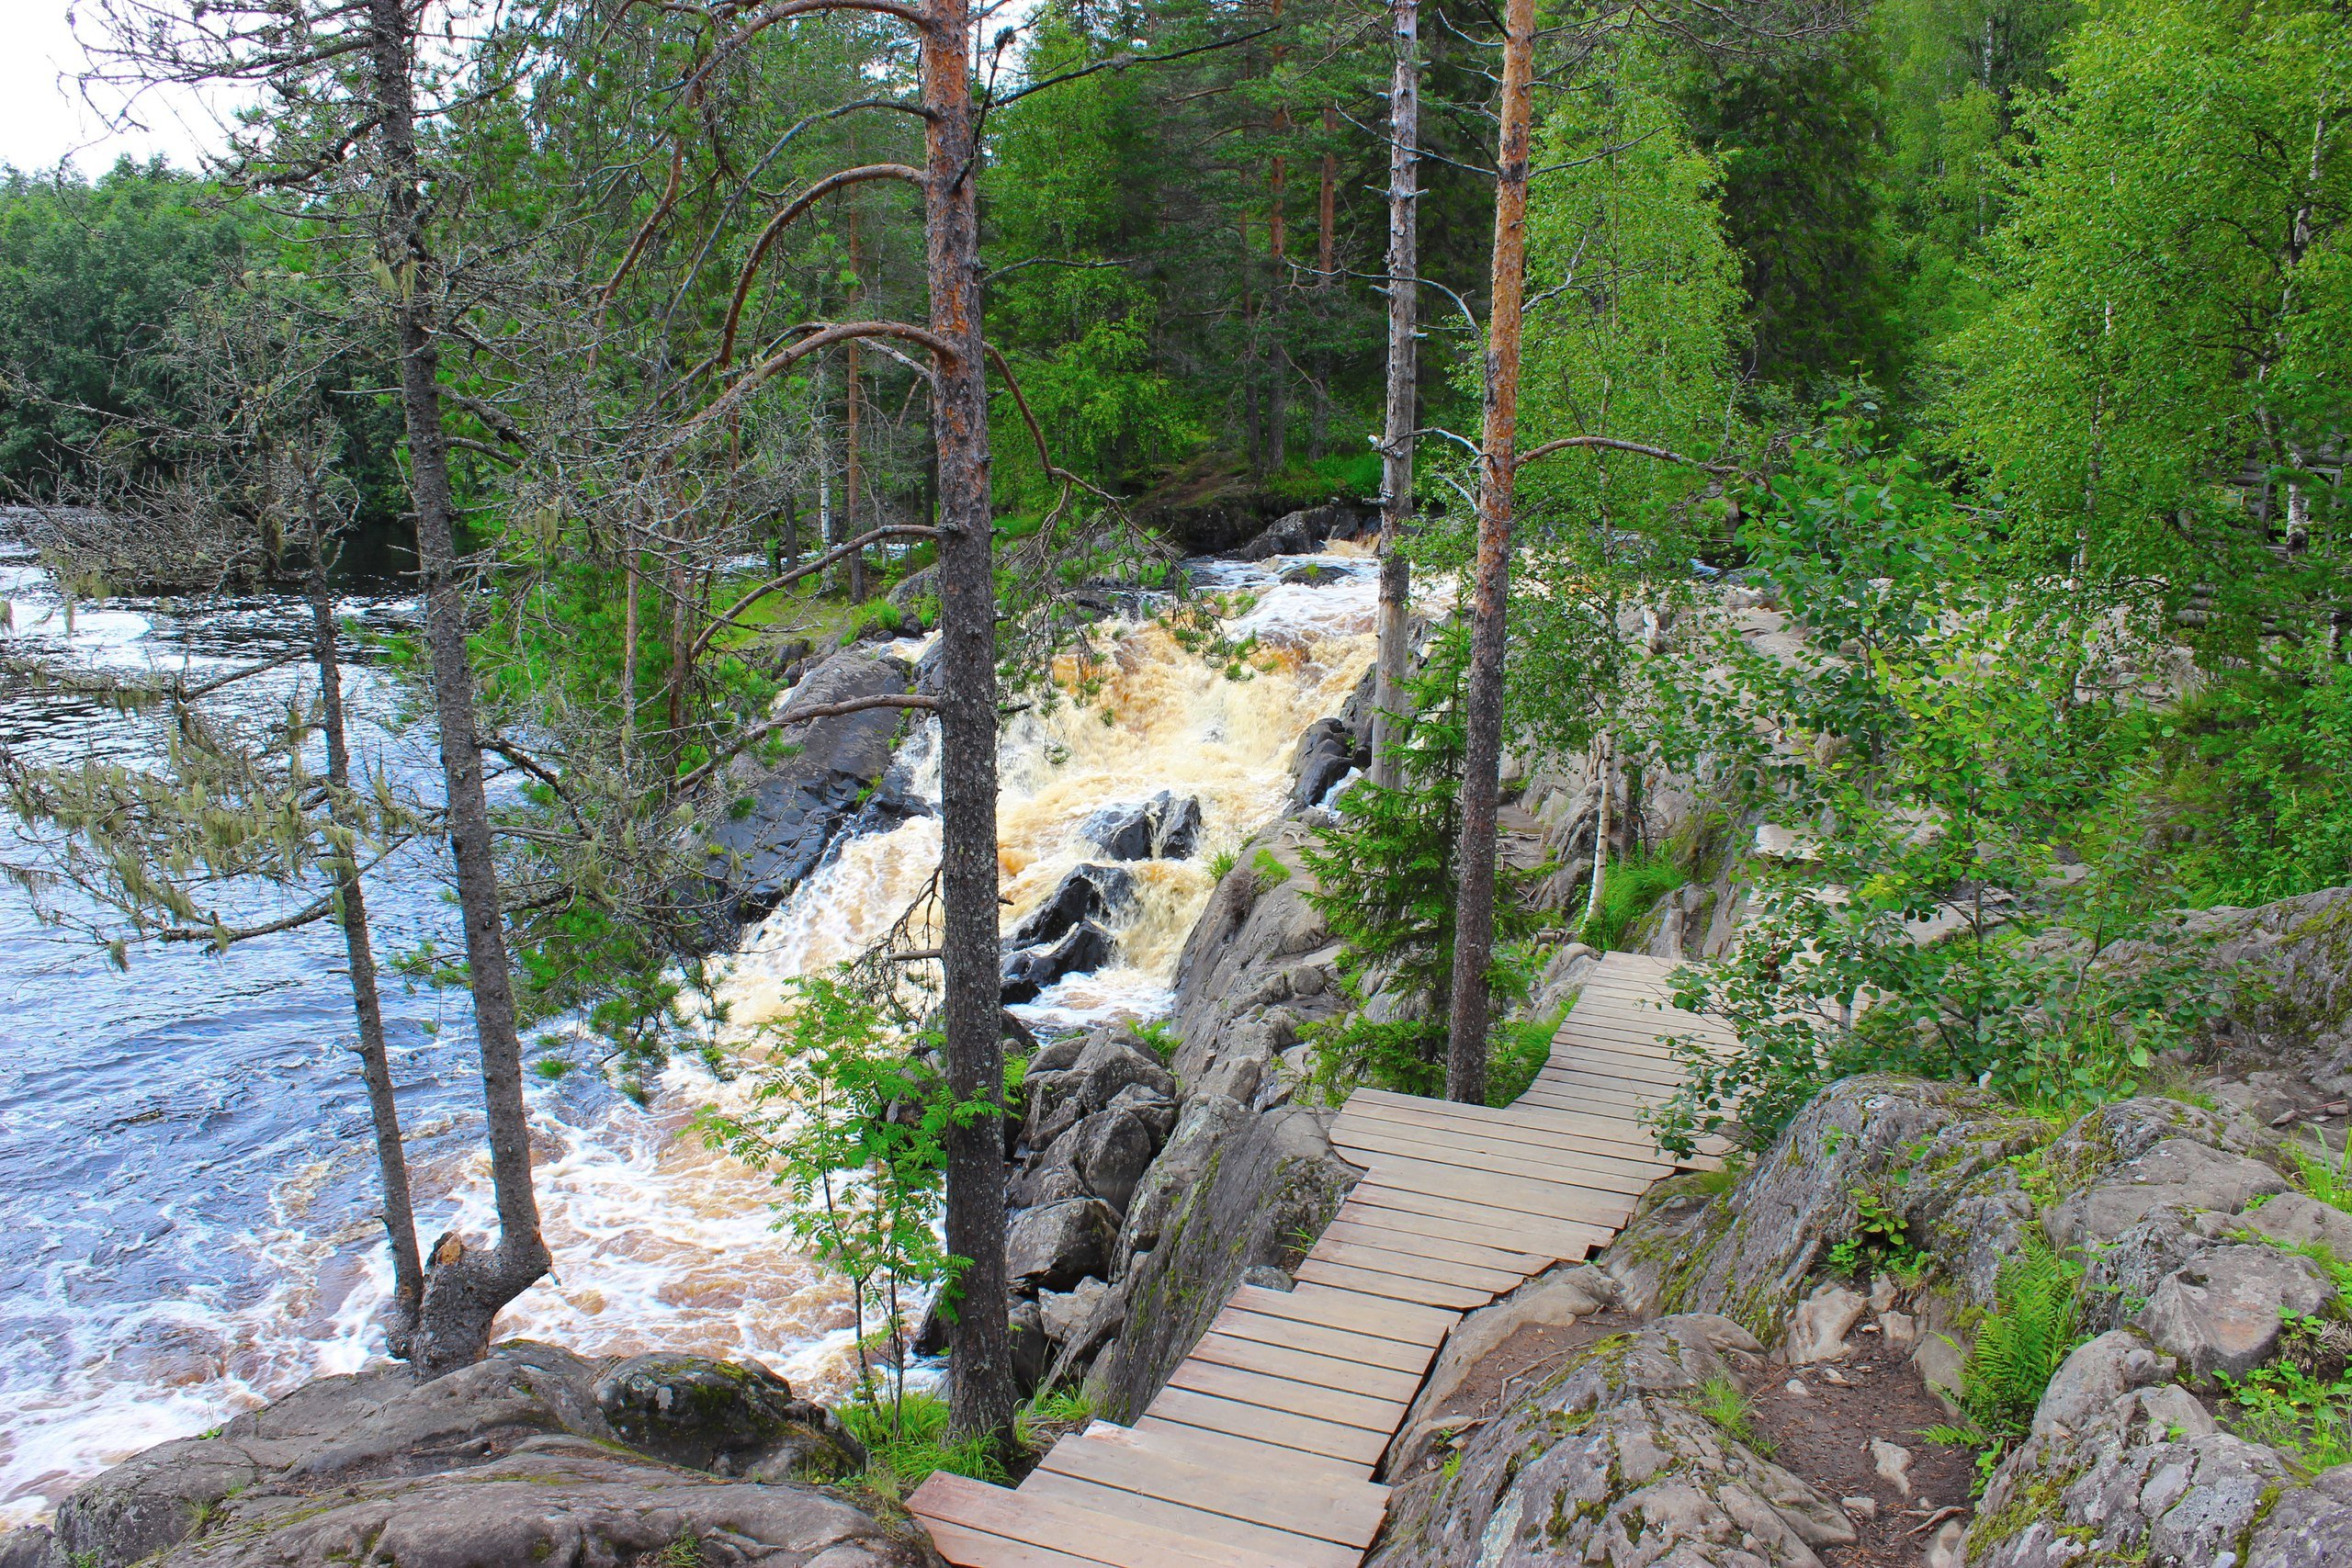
[(2305, 1412), (1269, 870), (2035, 1323), (1159, 1036), (1977, 805), (2329, 1179), (850, 1124), (906, 1443), (1628, 890), (1221, 865), (1521, 1050), (1385, 882), (1720, 1400), (1879, 1243)]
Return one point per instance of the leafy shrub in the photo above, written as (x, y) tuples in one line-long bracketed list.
[(905, 1445), (1269, 870), (1880, 1242), (1520, 1051)]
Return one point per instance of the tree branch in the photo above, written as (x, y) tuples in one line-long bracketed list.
[(791, 717), (806, 568), (751, 379), (1611, 443), (777, 224)]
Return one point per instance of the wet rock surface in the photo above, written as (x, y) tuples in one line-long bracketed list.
[(1166, 827), (1069, 932), (774, 821), (512, 1460)]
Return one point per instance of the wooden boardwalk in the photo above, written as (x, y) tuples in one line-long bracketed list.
[(1260, 1451)]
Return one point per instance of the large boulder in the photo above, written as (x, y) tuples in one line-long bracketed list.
[(556, 1500), (2221, 1312), (728, 1418), (1066, 934), (1609, 1461), (1233, 1190), (1326, 753), (1053, 1247), (1307, 530), (1936, 1155), (774, 821), (511, 1459), (1166, 827)]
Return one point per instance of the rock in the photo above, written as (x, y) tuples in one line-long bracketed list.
[(556, 1500), (26, 1548), (2310, 1528), (2220, 1313), (1082, 949), (1892, 1463), (723, 1416), (2093, 1377), (1555, 1300), (1232, 1190), (1817, 1330), (1938, 1154), (1166, 827), (1114, 1148), (1266, 1277), (773, 822), (2152, 1480), (1026, 1335), (1064, 1315), (2177, 1173), (1304, 531), (509, 1460), (1313, 574), (1608, 1462), (1055, 1247), (2297, 1221), (1863, 1508), (1087, 892), (1900, 1329), (1326, 753), (1234, 971), (1939, 1358), (1944, 1546)]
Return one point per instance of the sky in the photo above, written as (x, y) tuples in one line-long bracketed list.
[(44, 118)]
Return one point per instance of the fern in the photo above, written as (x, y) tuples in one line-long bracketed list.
[(2035, 1322)]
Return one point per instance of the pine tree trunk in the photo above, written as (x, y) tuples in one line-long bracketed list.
[(853, 476), (1394, 652), (981, 1384), (463, 1289), (359, 951), (1474, 940)]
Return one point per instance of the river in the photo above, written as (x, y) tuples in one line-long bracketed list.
[(187, 1196)]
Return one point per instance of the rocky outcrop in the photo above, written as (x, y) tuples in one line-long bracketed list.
[(776, 819), (1610, 1461), (1166, 827), (1214, 506), (1069, 934), (1936, 1155), (533, 1455), (1305, 531)]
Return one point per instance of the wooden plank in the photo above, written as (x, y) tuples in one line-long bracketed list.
[(1366, 1349), (1566, 1238), (1377, 1122), (1501, 1131), (1421, 1326), (1607, 1088), (1435, 1243), (1604, 1128), (1436, 1227), (1307, 1366), (1444, 1271), (1287, 1546), (1592, 1099), (1081, 1531), (1288, 1394), (1468, 1156), (1602, 1037), (967, 1547), (1553, 1200), (1222, 1450), (1568, 1053), (1345, 1511), (1282, 1428), (1403, 1288), (1445, 1146)]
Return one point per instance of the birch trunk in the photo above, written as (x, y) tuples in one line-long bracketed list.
[(1474, 937)]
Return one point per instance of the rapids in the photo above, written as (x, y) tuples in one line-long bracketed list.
[(186, 1212)]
